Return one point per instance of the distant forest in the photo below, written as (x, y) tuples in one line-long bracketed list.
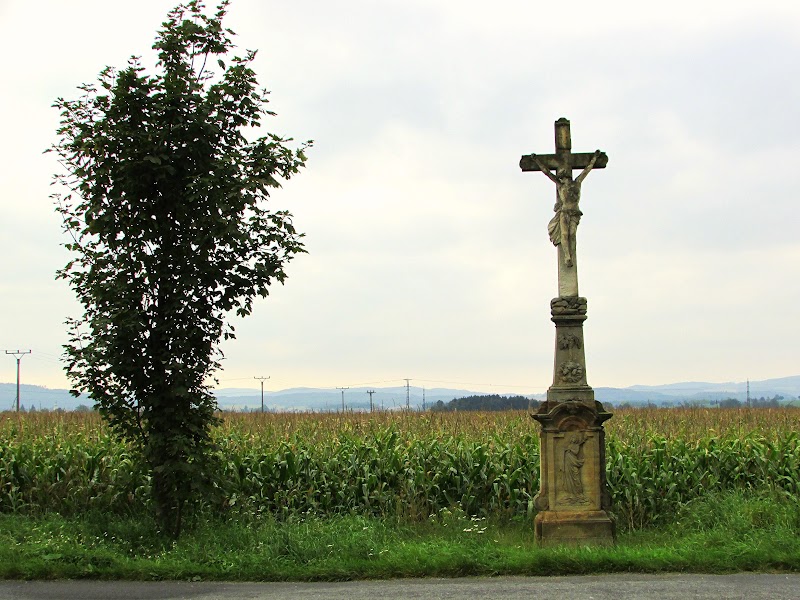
[(762, 402), (490, 402)]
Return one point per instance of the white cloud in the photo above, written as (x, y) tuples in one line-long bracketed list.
[(428, 248)]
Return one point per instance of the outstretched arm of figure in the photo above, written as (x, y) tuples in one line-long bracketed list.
[(544, 168), (589, 167)]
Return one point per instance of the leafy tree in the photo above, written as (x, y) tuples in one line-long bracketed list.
[(730, 403), (169, 233)]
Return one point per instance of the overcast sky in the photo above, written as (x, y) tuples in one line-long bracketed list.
[(428, 249)]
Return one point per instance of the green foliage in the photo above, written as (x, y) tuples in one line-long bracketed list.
[(406, 466), (169, 232), (723, 532), (383, 472)]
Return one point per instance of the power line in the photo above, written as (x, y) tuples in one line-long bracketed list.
[(543, 386), (364, 383), (48, 358), (19, 358), (374, 382)]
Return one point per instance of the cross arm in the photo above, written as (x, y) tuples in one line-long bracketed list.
[(578, 160)]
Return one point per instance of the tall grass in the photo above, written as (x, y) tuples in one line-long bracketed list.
[(405, 465)]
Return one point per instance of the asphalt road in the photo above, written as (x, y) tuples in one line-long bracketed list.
[(600, 587)]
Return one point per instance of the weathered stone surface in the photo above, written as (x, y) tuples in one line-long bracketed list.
[(569, 368), (583, 528), (568, 306), (573, 502), (563, 138), (578, 160)]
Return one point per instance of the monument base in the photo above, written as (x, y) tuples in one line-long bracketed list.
[(573, 502), (585, 528)]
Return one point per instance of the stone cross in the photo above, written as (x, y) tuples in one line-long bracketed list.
[(573, 502), (563, 226)]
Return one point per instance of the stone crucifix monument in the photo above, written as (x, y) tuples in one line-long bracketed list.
[(573, 501)]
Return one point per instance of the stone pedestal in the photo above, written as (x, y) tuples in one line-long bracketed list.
[(573, 500)]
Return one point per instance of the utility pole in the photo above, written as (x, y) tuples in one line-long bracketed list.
[(262, 379), (370, 392), (18, 355), (343, 389), (408, 397), (423, 399)]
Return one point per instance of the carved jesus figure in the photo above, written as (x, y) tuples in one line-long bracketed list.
[(564, 224)]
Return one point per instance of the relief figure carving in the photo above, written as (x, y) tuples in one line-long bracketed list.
[(571, 469), (570, 372), (569, 340)]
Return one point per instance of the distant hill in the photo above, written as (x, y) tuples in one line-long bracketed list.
[(390, 398), (788, 385), (631, 396), (394, 398), (39, 397)]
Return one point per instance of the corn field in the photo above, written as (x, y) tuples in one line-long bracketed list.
[(406, 465)]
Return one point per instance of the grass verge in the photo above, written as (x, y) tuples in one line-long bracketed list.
[(719, 533)]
